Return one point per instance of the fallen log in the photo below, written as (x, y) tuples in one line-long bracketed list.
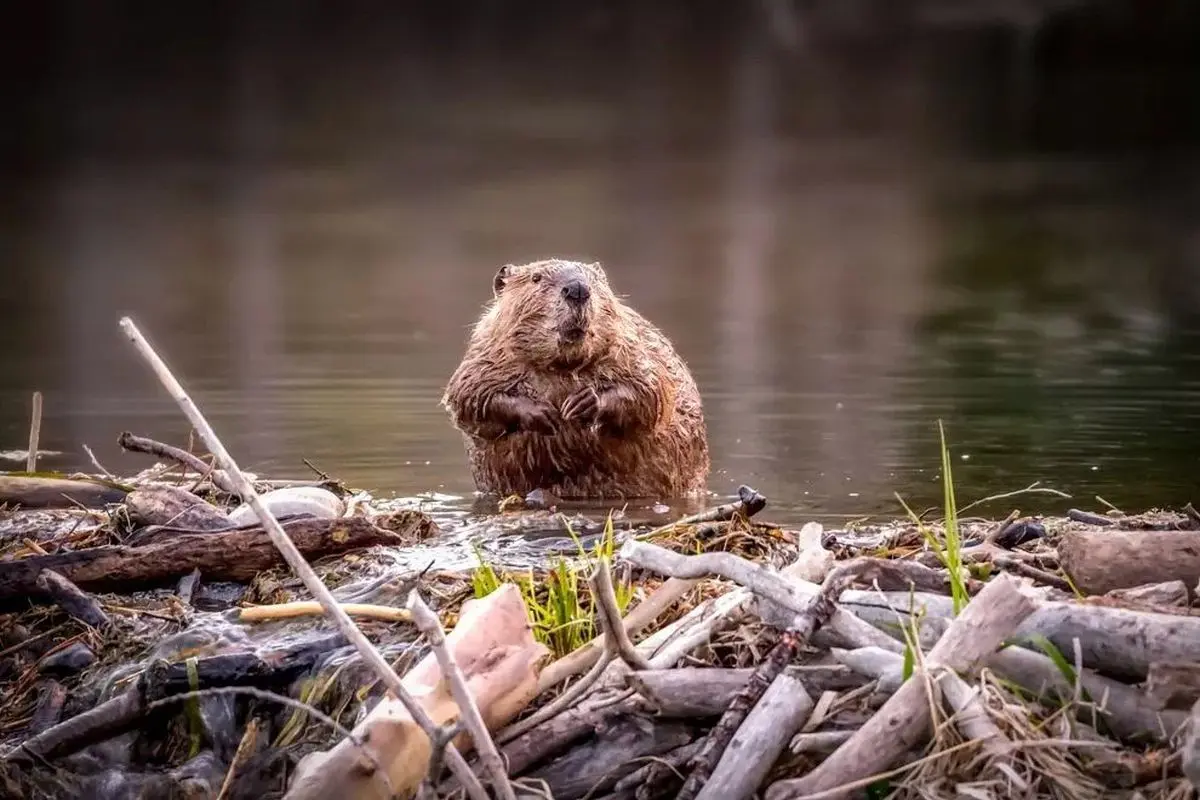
[(905, 718), (1100, 561), (226, 556), (37, 491), (162, 504), (761, 737)]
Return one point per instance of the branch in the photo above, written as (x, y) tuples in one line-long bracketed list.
[(295, 560)]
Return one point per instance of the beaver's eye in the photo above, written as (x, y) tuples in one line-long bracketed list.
[(537, 278)]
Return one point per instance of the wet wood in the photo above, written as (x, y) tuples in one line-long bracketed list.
[(1100, 561), (229, 556), (595, 766), (903, 721), (493, 646), (42, 492), (140, 444), (71, 599), (173, 506)]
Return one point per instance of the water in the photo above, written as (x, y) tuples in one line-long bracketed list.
[(847, 241)]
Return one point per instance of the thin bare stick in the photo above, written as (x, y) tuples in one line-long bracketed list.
[(1033, 488), (293, 557), (140, 444), (244, 746), (303, 608), (609, 615), (429, 624), (35, 433), (96, 463)]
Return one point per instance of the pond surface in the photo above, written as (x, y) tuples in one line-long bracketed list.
[(847, 241)]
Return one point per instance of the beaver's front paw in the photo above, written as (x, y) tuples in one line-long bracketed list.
[(537, 417), (583, 406)]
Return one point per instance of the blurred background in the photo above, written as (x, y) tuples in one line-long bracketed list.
[(853, 217)]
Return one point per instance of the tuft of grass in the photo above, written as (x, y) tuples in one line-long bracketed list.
[(948, 552), (560, 606)]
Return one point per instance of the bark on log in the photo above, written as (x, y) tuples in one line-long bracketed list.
[(494, 647), (228, 556), (767, 729), (39, 492), (162, 504), (904, 719), (1100, 561), (559, 733), (1189, 749), (1173, 685)]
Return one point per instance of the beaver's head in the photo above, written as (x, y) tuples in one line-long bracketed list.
[(554, 312)]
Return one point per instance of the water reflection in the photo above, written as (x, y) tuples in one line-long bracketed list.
[(847, 241)]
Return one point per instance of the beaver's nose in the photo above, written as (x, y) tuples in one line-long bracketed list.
[(576, 291)]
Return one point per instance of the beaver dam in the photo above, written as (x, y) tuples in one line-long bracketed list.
[(193, 631)]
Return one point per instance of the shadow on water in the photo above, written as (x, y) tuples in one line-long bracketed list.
[(850, 228)]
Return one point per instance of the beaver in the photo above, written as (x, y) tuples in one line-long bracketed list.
[(565, 388)]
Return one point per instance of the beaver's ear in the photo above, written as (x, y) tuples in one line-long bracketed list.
[(501, 277)]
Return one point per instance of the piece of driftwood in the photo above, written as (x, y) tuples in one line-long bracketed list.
[(71, 599), (749, 503), (226, 556), (617, 748), (759, 740), (174, 506), (1171, 593), (658, 778), (824, 742), (565, 729), (32, 491), (904, 719), (708, 691), (1100, 561), (141, 444), (494, 647)]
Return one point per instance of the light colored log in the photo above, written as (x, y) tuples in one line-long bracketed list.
[(904, 719), (767, 729)]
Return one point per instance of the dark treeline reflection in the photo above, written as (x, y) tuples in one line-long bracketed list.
[(853, 219)]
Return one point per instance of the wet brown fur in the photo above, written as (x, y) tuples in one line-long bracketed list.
[(648, 436)]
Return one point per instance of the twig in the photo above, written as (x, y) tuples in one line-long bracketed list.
[(749, 503), (428, 623), (446, 734), (35, 433), (295, 560), (609, 616), (96, 463), (1032, 488), (140, 444), (1088, 518), (1029, 571), (244, 746)]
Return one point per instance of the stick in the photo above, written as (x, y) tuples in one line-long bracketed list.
[(140, 444), (70, 598), (904, 719), (35, 433), (609, 616), (295, 560), (749, 503), (305, 608), (468, 710)]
